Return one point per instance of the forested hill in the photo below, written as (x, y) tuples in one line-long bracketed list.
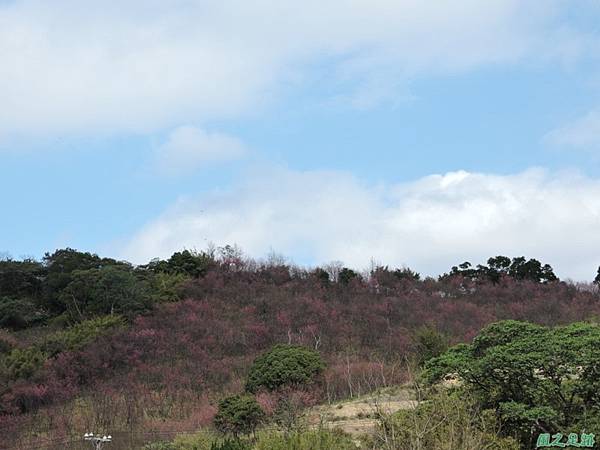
[(69, 286), (162, 341)]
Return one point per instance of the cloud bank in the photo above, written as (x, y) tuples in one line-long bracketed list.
[(429, 224), (142, 66), (189, 148)]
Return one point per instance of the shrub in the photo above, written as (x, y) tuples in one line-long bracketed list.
[(17, 313), (445, 421), (7, 342), (81, 334), (231, 444), (202, 440), (429, 343), (284, 365), (166, 287), (238, 414), (160, 446), (24, 363), (320, 439)]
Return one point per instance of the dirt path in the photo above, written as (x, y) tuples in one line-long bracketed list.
[(358, 416)]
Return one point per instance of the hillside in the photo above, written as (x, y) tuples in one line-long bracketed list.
[(152, 349)]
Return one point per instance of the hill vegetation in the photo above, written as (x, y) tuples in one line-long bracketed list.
[(91, 343)]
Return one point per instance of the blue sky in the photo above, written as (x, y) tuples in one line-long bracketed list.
[(413, 133)]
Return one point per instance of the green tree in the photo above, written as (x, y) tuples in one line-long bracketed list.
[(17, 314), (321, 275), (189, 263), (597, 279), (407, 274), (346, 275), (81, 334), (284, 365), (21, 279), (429, 343), (537, 379), (106, 290), (24, 363), (238, 414), (61, 267)]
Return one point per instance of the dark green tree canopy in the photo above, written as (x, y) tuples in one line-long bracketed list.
[(17, 314), (536, 378), (238, 414), (284, 365), (105, 290), (186, 262), (346, 275), (61, 266), (497, 267), (21, 279)]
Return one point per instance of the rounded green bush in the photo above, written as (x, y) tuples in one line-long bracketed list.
[(284, 365), (238, 414)]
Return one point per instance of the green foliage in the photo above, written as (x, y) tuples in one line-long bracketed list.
[(81, 334), (346, 275), (203, 440), (188, 263), (444, 422), (166, 287), (238, 414), (284, 365), (7, 342), (231, 444), (61, 266), (321, 275), (518, 268), (429, 343), (160, 446), (536, 378), (319, 439), (17, 314), (407, 274), (501, 333), (23, 363), (21, 279), (597, 279), (106, 290)]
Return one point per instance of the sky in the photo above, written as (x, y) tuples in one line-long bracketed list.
[(406, 132)]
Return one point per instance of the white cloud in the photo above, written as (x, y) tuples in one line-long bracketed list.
[(138, 66), (582, 134), (189, 148), (429, 224)]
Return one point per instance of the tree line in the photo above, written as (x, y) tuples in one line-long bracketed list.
[(69, 286)]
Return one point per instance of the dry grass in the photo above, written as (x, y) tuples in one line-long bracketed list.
[(359, 416)]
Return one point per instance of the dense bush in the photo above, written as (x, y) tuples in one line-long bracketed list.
[(105, 290), (231, 444), (319, 439), (443, 422), (428, 343), (23, 363), (238, 414), (202, 440), (284, 365), (17, 314), (80, 334), (7, 342)]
